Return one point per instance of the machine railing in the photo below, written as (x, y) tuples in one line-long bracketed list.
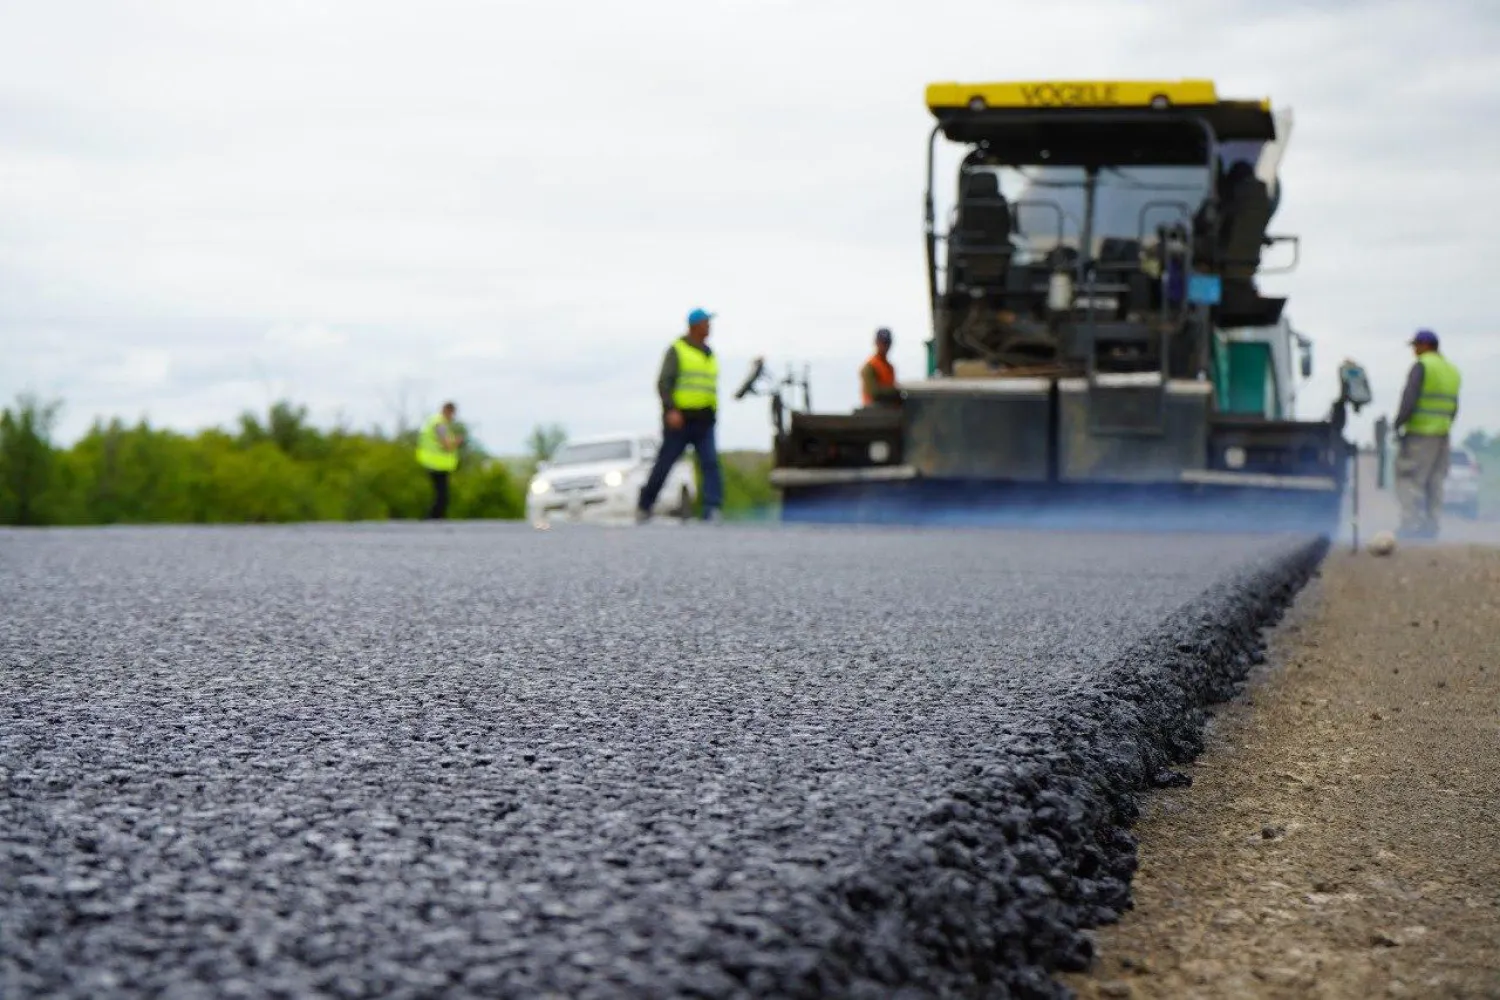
[(1062, 216), (1175, 274), (1270, 241), (1174, 257), (953, 241)]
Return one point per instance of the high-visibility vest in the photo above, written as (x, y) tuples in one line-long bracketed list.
[(697, 385), (885, 376), (1438, 402), (430, 452)]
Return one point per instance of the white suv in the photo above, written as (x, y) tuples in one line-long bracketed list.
[(1461, 485), (601, 477)]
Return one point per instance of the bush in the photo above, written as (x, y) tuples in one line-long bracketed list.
[(27, 461), (487, 492), (748, 492), (279, 469)]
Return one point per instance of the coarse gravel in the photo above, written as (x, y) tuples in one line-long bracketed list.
[(1339, 840), (433, 760)]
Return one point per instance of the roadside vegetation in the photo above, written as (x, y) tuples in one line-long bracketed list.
[(275, 467), (279, 467)]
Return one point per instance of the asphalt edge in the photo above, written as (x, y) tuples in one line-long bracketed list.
[(996, 888)]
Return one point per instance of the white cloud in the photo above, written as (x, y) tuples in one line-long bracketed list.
[(305, 337), (514, 205), (141, 368)]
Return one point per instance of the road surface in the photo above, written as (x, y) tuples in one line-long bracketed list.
[(474, 759)]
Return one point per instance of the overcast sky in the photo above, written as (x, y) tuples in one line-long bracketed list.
[(369, 206)]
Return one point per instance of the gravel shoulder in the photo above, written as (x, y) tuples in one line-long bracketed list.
[(1341, 836)]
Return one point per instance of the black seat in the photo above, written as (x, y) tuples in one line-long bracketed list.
[(1116, 253), (982, 209), (1246, 208), (981, 235), (1244, 229)]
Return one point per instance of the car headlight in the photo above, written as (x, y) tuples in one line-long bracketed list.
[(540, 486), (614, 477)]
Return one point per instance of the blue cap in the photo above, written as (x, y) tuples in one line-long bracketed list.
[(698, 316), (1425, 337)]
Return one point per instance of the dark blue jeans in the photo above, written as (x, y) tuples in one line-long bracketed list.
[(699, 434), (439, 508)]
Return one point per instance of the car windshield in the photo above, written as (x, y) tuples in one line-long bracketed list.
[(592, 451)]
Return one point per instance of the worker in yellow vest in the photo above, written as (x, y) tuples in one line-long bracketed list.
[(688, 385), (1423, 421), (437, 452)]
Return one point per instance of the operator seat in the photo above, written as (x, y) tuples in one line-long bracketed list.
[(981, 235), (1119, 253), (1247, 212)]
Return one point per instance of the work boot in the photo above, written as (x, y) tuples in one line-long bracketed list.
[(713, 516), (642, 516)]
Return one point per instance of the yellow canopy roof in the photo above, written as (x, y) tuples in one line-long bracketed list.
[(1074, 94)]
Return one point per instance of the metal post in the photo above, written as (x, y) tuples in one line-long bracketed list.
[(1382, 436), (1084, 282), (930, 221), (1086, 234), (1354, 518)]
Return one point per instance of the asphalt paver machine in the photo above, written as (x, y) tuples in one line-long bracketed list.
[(1097, 329)]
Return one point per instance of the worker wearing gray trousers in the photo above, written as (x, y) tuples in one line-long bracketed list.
[(1424, 420)]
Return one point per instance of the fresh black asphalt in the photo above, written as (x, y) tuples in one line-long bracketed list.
[(434, 760)]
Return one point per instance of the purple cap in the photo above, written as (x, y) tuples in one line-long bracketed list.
[(1425, 337)]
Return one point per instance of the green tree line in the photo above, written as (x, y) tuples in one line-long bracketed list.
[(274, 468), (1486, 450), (1483, 445)]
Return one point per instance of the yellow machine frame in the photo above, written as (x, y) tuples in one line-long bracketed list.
[(1077, 94)]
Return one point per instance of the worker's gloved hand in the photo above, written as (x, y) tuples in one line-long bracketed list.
[(674, 419)]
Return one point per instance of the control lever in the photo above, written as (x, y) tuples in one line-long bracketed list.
[(757, 369)]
